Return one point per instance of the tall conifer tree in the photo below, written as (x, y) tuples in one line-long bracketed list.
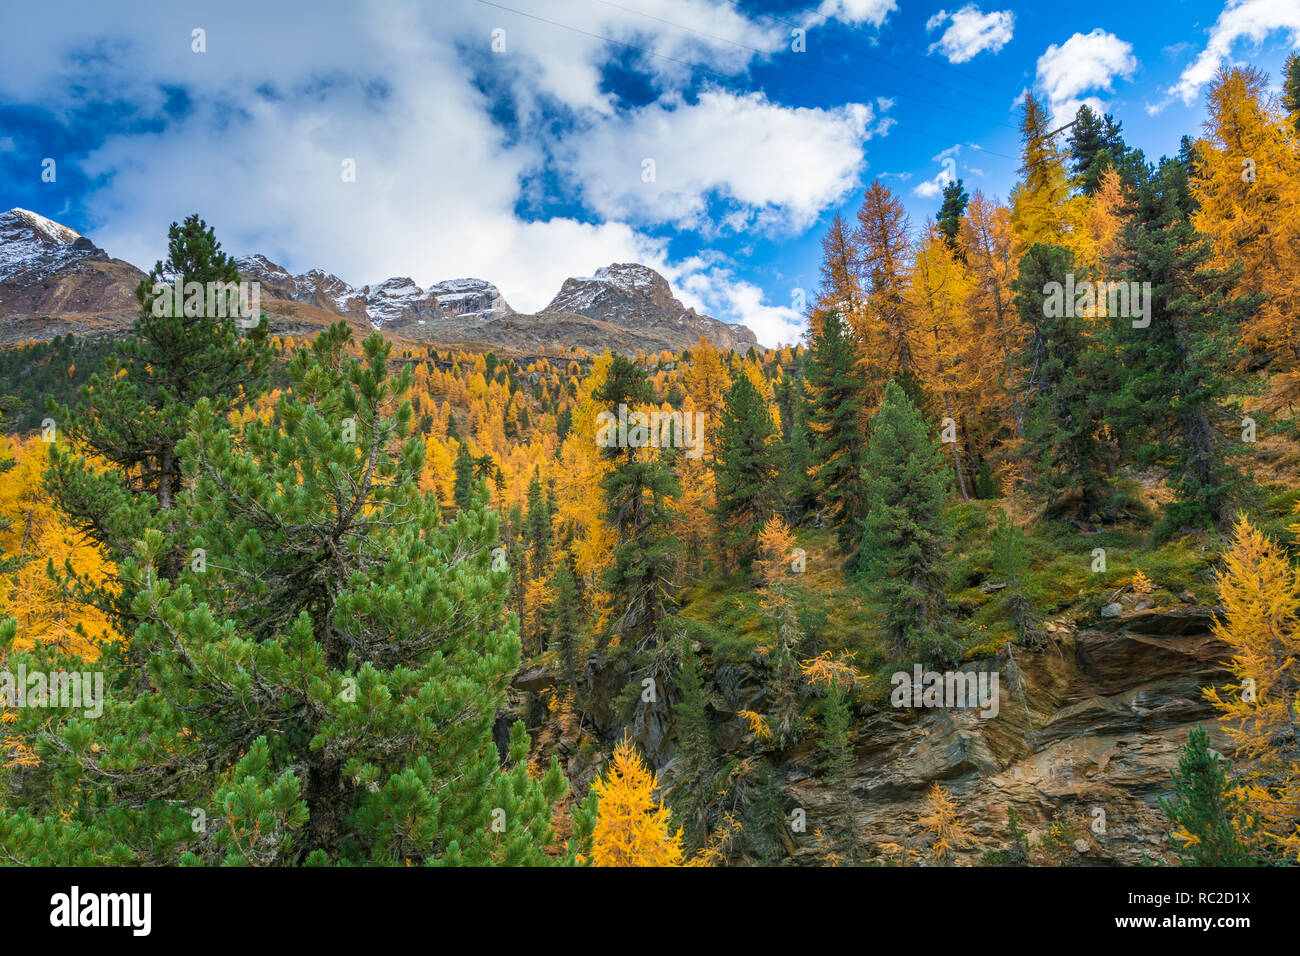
[(746, 467), (905, 535), (638, 489), (329, 676), (837, 418)]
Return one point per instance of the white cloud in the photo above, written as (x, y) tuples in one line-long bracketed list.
[(775, 168), (932, 188), (408, 91), (1087, 62), (1251, 20), (741, 301), (947, 159), (971, 32), (856, 12)]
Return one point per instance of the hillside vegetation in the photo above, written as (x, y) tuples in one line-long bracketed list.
[(369, 601)]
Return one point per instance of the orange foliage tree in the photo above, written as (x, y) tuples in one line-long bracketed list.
[(632, 827)]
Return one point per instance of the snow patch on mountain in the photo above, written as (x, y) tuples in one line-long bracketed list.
[(396, 299), (258, 268), (470, 298), (314, 286), (36, 246)]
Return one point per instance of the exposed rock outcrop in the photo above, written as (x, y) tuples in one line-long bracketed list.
[(1087, 729)]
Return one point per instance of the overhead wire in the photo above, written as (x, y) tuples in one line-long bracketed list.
[(724, 79)]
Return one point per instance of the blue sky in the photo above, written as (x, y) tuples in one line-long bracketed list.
[(524, 141)]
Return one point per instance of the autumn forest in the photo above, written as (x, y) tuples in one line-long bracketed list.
[(1028, 491)]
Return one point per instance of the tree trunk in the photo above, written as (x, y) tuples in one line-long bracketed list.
[(326, 809), (27, 533), (956, 450)]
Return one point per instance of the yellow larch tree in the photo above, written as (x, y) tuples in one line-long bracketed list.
[(1098, 245), (37, 531), (1247, 187), (986, 240), (706, 381), (693, 514), (775, 547), (439, 474), (841, 283), (941, 820), (938, 294), (885, 331), (633, 828), (1042, 209), (577, 487), (1260, 595)]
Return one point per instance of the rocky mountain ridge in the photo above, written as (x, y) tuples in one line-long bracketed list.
[(53, 281)]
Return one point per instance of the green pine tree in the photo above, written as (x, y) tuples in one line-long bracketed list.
[(464, 487), (638, 489), (905, 537), (135, 414), (693, 791), (1208, 808), (538, 523), (1095, 144), (800, 485), (1291, 88), (566, 628), (952, 209), (328, 672), (1181, 374), (838, 396), (746, 467), (836, 734), (1067, 383), (1011, 559)]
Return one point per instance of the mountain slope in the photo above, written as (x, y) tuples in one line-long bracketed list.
[(53, 280)]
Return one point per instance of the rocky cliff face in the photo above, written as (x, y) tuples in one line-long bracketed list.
[(1093, 721), (53, 280), (472, 299)]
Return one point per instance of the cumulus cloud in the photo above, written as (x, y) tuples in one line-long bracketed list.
[(1252, 20), (741, 301), (971, 32), (857, 12), (413, 94), (775, 167), (947, 159), (1085, 63), (933, 188)]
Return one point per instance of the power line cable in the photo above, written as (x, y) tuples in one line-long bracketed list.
[(721, 77), (876, 37), (807, 66)]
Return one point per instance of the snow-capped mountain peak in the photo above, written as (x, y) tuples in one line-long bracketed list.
[(31, 243)]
